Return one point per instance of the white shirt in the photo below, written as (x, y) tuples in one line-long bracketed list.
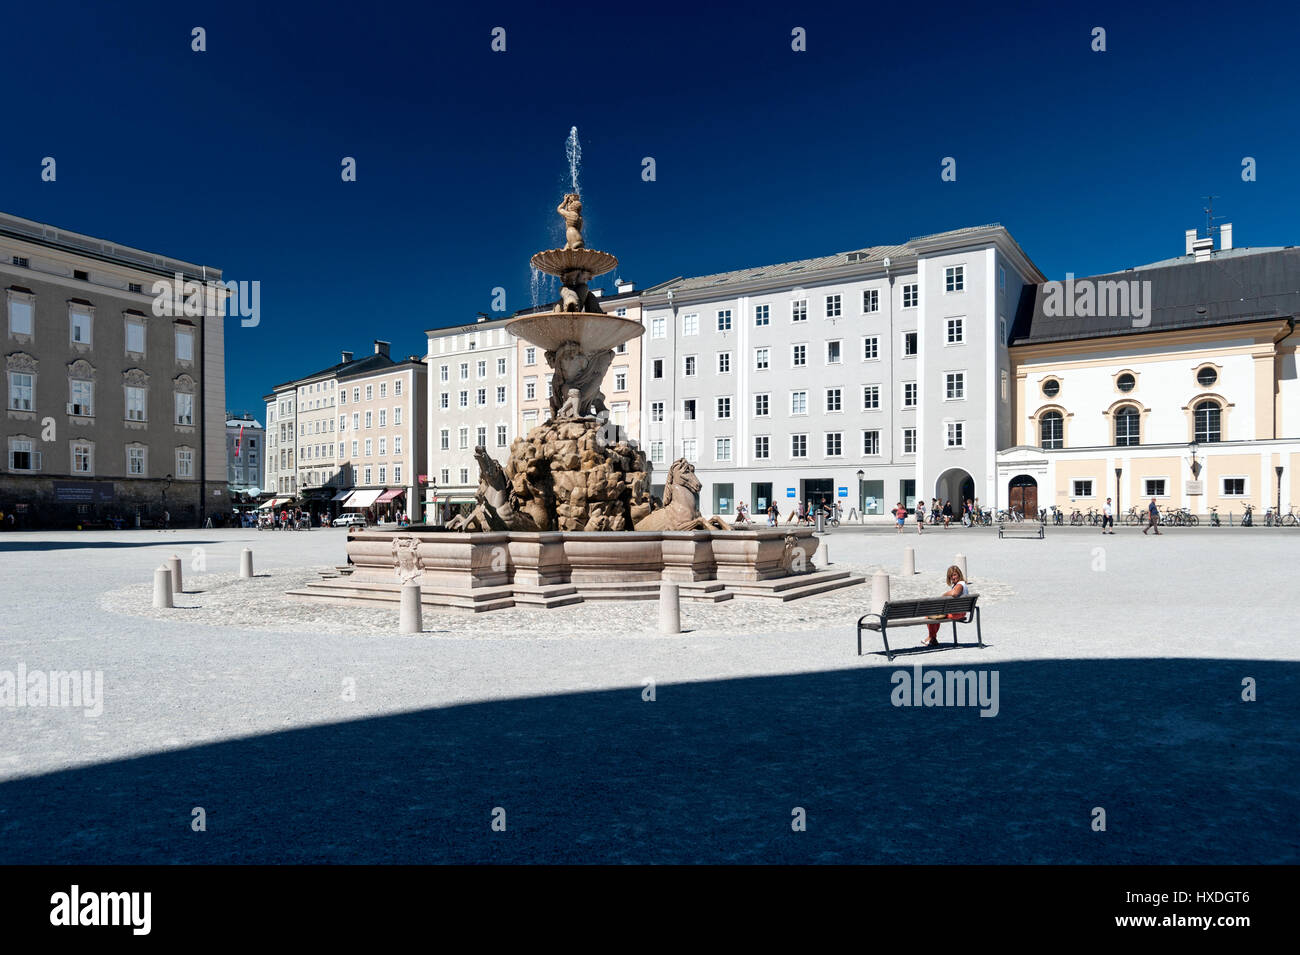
[(1106, 509)]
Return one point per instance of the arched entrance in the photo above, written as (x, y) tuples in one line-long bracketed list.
[(955, 485), (1022, 495)]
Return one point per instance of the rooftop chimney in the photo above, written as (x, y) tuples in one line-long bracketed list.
[(381, 348), (1225, 237), (1203, 249), (597, 292), (624, 285), (1191, 240), (347, 357)]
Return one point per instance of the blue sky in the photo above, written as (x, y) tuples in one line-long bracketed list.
[(231, 158)]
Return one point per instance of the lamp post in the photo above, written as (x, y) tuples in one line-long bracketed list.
[(862, 503), (1118, 472), (1278, 511)]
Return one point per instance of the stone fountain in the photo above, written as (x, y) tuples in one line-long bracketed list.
[(570, 517)]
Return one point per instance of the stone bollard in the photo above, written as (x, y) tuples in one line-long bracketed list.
[(879, 591), (960, 561), (412, 619), (246, 562), (670, 607), (162, 588), (821, 529), (826, 553), (174, 563), (909, 561)]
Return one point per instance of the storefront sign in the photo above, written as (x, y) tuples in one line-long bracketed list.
[(789, 492), (843, 492), (1194, 487)]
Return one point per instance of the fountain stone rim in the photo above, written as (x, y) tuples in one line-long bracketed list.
[(558, 262), (592, 331)]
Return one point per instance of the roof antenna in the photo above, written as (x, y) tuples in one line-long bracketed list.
[(1210, 227)]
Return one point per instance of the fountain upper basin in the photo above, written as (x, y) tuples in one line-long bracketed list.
[(558, 262), (593, 331)]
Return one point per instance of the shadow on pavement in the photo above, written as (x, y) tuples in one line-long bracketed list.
[(710, 772)]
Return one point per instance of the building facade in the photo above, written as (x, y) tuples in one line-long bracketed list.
[(245, 453), (868, 377), (382, 438), (1193, 401), (115, 398)]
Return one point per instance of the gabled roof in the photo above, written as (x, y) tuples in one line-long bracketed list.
[(368, 363), (1241, 285)]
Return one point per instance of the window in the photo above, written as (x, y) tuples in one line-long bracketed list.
[(383, 447), (909, 441), (1002, 331), (833, 353), (954, 278), (530, 389), (1051, 388), (688, 449), (463, 436), (356, 421), (501, 367), (1082, 487), (956, 331), (501, 436), (184, 408), (20, 315), (383, 417), (81, 397), (910, 344), (343, 396), (445, 476), (343, 422), (954, 385), (870, 300), (136, 408), (870, 397), (834, 444), (79, 325), (135, 461), (443, 374), (656, 411), (656, 329), (135, 337), (184, 463), (1002, 279), (688, 366), (870, 442), (761, 358), (464, 371), (690, 324), (724, 408), (1125, 382), (833, 309), (444, 442), (83, 458), (834, 399), (870, 348), (462, 399), (798, 355), (1006, 388), (354, 448), (722, 449), (397, 416), (501, 395), (370, 447), (368, 473), (1155, 487), (370, 419), (1234, 487), (656, 452), (370, 392), (1051, 431), (799, 310), (688, 409), (956, 434), (21, 262), (480, 437), (397, 444), (798, 445), (724, 363), (657, 368), (481, 368), (1128, 428), (762, 405), (1208, 418), (383, 389), (762, 447), (909, 394), (397, 474), (798, 402), (397, 386), (724, 320), (911, 295), (356, 394), (762, 314), (23, 456)]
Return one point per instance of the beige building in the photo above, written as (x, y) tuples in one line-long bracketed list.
[(1192, 400), (382, 430), (115, 382)]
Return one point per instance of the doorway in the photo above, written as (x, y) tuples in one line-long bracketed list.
[(1022, 495), (816, 490)]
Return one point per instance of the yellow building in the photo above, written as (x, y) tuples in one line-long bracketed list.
[(1174, 381)]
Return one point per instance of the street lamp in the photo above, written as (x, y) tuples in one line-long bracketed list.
[(1118, 472), (1196, 466), (862, 501), (1278, 469)]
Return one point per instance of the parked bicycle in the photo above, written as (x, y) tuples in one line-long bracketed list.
[(1214, 517), (1248, 519)]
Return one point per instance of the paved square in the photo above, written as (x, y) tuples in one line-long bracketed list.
[(309, 732)]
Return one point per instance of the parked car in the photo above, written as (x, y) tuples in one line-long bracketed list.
[(349, 520)]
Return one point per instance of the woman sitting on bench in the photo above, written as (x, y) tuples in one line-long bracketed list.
[(956, 588)]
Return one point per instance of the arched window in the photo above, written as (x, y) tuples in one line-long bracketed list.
[(1051, 430), (1128, 426), (1208, 418)]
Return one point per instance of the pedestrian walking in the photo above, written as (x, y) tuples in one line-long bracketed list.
[(1153, 518), (947, 513), (1107, 518), (920, 516), (773, 514), (900, 515)]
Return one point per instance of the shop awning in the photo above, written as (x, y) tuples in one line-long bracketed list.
[(363, 498), (390, 495), (341, 495), (274, 502)]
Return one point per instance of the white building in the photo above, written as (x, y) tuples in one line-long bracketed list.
[(245, 453), (867, 377)]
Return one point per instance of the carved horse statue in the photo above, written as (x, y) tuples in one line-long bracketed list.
[(681, 509)]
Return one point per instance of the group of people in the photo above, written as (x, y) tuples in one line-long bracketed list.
[(939, 512)]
